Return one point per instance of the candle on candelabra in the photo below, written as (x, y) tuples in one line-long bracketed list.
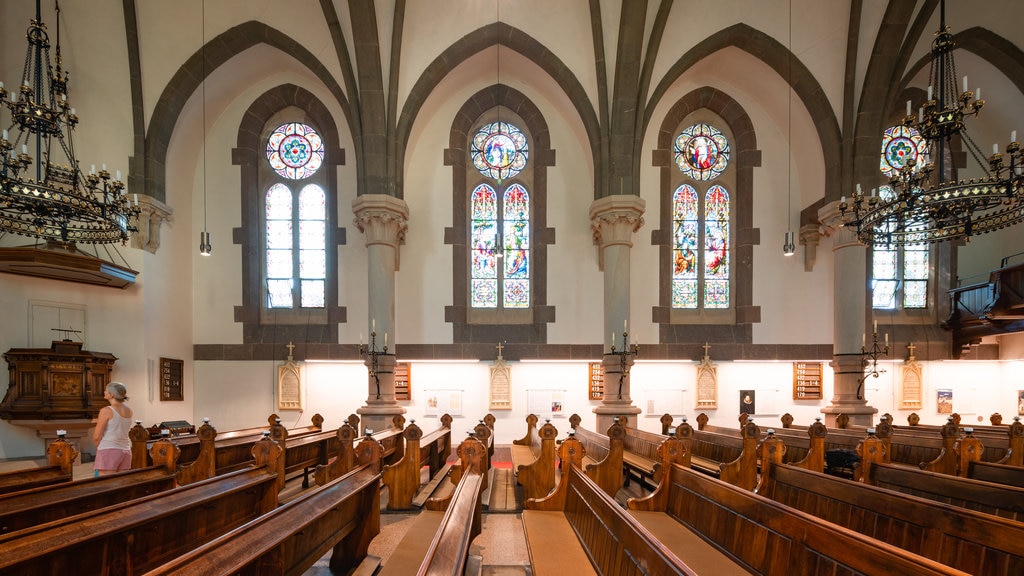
[(929, 92), (887, 339), (977, 94), (909, 108), (1013, 135), (965, 83), (863, 340), (874, 326), (385, 339), (373, 325), (613, 339), (995, 148)]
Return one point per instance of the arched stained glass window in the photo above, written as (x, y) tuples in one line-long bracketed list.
[(296, 245), (702, 152), (500, 220), (899, 274), (702, 241), (716, 248), (484, 266), (900, 145), (295, 151)]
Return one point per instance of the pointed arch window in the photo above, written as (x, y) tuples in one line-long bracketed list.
[(500, 262), (295, 217), (900, 275), (701, 221)]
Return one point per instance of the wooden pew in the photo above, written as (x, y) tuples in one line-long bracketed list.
[(436, 446), (60, 457), (342, 517), (996, 499), (438, 540), (534, 463), (27, 508), (759, 535), (145, 533), (996, 473), (580, 529), (603, 454), (725, 456), (971, 541), (344, 462), (403, 477)]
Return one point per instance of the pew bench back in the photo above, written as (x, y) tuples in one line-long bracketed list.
[(987, 497)]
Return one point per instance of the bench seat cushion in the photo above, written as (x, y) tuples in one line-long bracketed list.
[(701, 557), (409, 554), (554, 548)]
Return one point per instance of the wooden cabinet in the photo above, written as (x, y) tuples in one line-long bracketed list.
[(807, 380)]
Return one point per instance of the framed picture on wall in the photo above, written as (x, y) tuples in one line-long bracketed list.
[(944, 401), (748, 404), (1020, 402)]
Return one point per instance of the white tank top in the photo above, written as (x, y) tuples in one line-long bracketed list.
[(115, 436)]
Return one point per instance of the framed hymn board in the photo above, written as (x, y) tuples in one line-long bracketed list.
[(596, 373), (403, 381), (807, 380), (171, 387)]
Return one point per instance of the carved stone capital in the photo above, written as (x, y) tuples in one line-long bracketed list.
[(614, 220), (152, 215), (383, 219), (832, 225)]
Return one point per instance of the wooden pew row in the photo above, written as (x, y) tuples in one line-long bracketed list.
[(580, 529), (996, 473), (390, 440), (805, 447), (602, 454), (730, 457), (760, 535), (27, 508), (136, 536), (233, 446), (438, 540), (60, 458), (403, 477), (533, 459), (996, 499), (971, 541), (342, 517)]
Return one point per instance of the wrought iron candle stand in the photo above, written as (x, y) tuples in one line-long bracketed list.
[(869, 360), (373, 354), (624, 353)]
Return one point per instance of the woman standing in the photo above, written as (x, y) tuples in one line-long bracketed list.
[(113, 447)]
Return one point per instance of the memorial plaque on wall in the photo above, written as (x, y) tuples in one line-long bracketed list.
[(596, 373), (807, 380), (403, 381), (171, 386)]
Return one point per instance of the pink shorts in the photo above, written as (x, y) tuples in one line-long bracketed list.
[(113, 459)]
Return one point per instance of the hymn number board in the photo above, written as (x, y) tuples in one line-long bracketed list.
[(807, 380), (596, 381), (171, 386), (403, 381)]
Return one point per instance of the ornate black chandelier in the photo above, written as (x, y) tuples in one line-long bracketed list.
[(40, 196), (927, 202)]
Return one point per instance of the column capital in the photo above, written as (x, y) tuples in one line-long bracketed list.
[(383, 218), (152, 215), (614, 219), (832, 225)]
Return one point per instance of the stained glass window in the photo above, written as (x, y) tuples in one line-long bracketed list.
[(899, 274), (701, 243), (702, 152), (295, 151), (900, 145), (499, 150), (484, 238), (516, 245), (296, 256)]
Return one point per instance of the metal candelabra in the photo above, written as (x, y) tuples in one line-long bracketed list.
[(869, 360), (370, 351), (624, 353)]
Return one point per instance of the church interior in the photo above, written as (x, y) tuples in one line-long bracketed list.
[(388, 213)]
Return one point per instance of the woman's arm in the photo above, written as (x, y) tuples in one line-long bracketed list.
[(101, 425)]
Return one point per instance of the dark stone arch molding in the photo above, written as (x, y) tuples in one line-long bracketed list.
[(747, 157), (777, 57), (190, 76), (469, 45), (248, 154), (542, 156)]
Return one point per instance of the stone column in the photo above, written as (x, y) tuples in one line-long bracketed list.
[(614, 220), (383, 219), (850, 296)]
